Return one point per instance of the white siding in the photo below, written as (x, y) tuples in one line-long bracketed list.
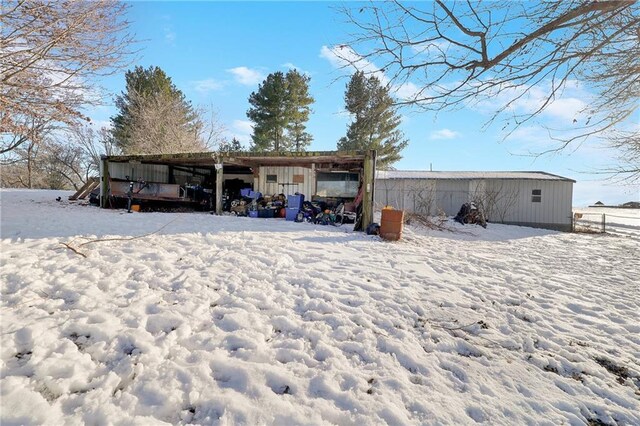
[(285, 175), (415, 195), (510, 199), (450, 195)]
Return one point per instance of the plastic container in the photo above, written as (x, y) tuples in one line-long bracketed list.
[(266, 213), (252, 213), (295, 201), (291, 214), (391, 224)]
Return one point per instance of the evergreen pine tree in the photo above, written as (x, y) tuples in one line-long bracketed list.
[(298, 108), (279, 110), (230, 146), (269, 113), (375, 120), (149, 96)]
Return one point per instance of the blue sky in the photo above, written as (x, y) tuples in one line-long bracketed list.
[(218, 52)]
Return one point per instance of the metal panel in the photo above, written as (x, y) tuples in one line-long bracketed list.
[(161, 190), (505, 200), (450, 195), (137, 171), (284, 180)]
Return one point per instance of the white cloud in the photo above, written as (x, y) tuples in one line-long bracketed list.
[(243, 126), (444, 134), (565, 108), (241, 130), (524, 100), (207, 85), (169, 35), (292, 66), (406, 91), (247, 76), (344, 56)]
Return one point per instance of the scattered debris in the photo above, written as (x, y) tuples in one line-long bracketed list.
[(469, 213)]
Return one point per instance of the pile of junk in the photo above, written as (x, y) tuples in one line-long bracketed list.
[(469, 213), (290, 207)]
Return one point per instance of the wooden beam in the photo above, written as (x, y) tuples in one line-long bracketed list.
[(368, 181), (219, 178), (104, 183)]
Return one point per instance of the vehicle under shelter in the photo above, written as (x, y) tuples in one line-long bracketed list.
[(255, 184)]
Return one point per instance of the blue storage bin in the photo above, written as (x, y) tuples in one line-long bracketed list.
[(292, 213), (295, 201), (253, 213), (255, 195), (266, 213)]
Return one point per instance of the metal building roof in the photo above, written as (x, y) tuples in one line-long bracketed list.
[(425, 174)]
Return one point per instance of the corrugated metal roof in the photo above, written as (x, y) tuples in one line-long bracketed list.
[(425, 174)]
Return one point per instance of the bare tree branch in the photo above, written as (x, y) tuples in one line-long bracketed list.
[(51, 53), (516, 59)]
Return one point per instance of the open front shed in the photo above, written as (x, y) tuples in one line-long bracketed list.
[(180, 178), (536, 199)]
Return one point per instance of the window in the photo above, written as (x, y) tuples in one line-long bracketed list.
[(272, 178), (337, 184), (536, 196)]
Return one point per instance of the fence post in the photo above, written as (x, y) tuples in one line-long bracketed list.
[(604, 223)]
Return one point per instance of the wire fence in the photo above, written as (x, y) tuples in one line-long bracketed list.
[(612, 223)]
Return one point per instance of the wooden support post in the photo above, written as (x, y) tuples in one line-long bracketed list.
[(368, 183), (104, 181), (219, 178)]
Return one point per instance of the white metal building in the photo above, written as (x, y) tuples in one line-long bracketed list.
[(536, 199)]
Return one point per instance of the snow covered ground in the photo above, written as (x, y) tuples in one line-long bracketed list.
[(225, 320)]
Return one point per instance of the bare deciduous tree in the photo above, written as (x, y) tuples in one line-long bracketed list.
[(75, 154), (162, 125), (50, 54), (92, 144), (453, 54), (20, 166), (424, 197), (496, 200), (628, 145)]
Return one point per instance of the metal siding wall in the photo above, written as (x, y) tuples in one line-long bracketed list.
[(411, 195), (554, 208), (514, 201), (285, 175), (388, 192), (451, 194), (146, 172)]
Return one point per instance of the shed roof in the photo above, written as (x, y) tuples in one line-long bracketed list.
[(425, 174), (248, 158)]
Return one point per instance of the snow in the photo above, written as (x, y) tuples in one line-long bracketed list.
[(225, 320)]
